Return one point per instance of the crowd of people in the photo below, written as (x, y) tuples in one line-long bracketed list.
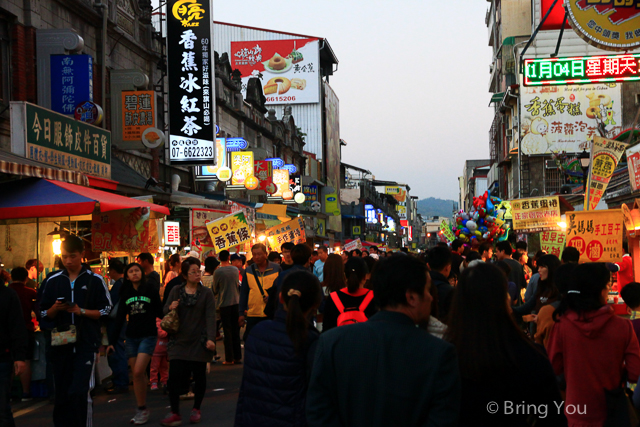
[(456, 336)]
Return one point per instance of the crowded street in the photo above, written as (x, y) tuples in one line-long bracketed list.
[(320, 214)]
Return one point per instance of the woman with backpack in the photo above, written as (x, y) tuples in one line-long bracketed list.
[(353, 304), (592, 347), (278, 359)]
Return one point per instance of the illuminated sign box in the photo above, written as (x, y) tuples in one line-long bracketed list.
[(582, 69)]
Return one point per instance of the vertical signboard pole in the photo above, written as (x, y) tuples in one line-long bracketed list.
[(191, 77)]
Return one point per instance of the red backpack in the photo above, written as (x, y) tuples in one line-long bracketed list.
[(351, 315)]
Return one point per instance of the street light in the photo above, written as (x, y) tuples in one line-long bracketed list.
[(585, 160)]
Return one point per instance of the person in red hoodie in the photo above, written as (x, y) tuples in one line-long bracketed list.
[(624, 268), (591, 346)]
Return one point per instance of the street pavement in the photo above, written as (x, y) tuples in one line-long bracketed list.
[(218, 407)]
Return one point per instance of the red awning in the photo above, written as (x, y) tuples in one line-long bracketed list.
[(107, 184)]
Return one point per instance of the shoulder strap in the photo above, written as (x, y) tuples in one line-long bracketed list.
[(257, 280), (367, 299), (337, 302)]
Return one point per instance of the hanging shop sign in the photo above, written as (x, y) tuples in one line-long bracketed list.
[(356, 230), (236, 144), (277, 162), (152, 138), (263, 171), (536, 214), (446, 230), (401, 209), (241, 166), (229, 231), (565, 118), (171, 233), (310, 194), (295, 185), (290, 231), (291, 168), (582, 69), (605, 155), (597, 235), (198, 225), (331, 204), (398, 193), (138, 113), (128, 230), (58, 140), (210, 172), (606, 24), (290, 68), (224, 173), (370, 214), (191, 80), (633, 163), (71, 82), (89, 112), (553, 242), (281, 181)]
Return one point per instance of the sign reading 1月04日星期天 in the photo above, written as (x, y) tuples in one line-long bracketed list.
[(191, 78)]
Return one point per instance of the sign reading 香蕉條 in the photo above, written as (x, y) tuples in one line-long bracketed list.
[(191, 79), (58, 140), (606, 24)]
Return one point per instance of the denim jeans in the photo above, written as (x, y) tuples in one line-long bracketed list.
[(118, 361), (6, 376)]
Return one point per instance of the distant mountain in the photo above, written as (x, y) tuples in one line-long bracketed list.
[(435, 207)]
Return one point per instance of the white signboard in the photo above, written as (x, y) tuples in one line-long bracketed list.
[(171, 233), (564, 118)]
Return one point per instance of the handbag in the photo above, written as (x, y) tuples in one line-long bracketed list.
[(620, 410), (271, 305), (170, 322), (63, 335)]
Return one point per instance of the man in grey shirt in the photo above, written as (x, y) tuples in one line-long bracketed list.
[(226, 281)]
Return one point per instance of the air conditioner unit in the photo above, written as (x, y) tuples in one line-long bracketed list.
[(550, 164), (509, 133)]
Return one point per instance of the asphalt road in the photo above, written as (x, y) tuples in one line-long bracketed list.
[(218, 407)]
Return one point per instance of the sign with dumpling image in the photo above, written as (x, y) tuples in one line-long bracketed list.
[(289, 69), (565, 118)]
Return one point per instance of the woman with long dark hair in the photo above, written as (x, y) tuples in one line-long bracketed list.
[(193, 346), (171, 270), (591, 346), (498, 363), (546, 291), (278, 357), (333, 274), (352, 298), (141, 303)]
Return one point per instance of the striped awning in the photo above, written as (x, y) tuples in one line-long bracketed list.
[(16, 165)]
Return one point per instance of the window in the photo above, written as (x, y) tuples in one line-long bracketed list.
[(5, 65)]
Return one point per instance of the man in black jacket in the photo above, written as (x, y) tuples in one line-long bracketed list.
[(439, 260), (74, 298), (365, 375), (13, 349)]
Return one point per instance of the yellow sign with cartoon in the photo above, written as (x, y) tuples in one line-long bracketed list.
[(564, 118), (229, 231), (188, 12)]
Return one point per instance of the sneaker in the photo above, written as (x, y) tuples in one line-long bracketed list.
[(187, 396), (172, 420), (26, 397), (154, 386), (141, 417), (195, 416)]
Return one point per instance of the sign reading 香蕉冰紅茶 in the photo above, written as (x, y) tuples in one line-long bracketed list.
[(606, 24), (597, 235), (61, 141), (581, 69), (536, 214), (191, 79)]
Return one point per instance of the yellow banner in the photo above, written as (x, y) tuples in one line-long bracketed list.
[(229, 231), (596, 234), (605, 155), (446, 230), (290, 231), (553, 242), (536, 214)]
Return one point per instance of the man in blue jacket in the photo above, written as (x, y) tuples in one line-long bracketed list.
[(74, 299), (387, 371)]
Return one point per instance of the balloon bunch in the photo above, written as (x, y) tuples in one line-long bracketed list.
[(483, 222)]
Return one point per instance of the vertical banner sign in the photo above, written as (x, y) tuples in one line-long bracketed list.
[(263, 170), (596, 234), (241, 166), (633, 162), (605, 155), (138, 113), (191, 82), (553, 242), (71, 82), (281, 181), (171, 233)]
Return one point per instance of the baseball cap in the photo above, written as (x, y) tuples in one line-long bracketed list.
[(235, 257)]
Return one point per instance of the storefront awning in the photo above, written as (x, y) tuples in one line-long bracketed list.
[(16, 165), (496, 97), (279, 211), (39, 198)]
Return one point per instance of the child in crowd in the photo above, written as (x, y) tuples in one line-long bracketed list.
[(160, 360), (631, 296)]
